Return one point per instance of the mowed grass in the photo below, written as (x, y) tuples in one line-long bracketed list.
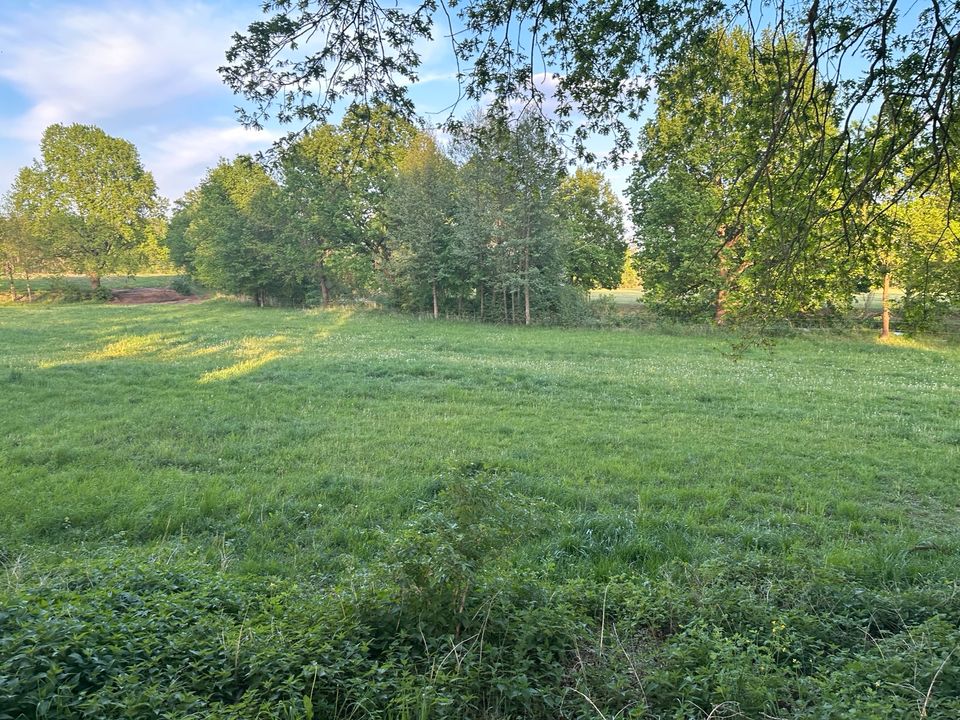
[(216, 511), (628, 297), (296, 435)]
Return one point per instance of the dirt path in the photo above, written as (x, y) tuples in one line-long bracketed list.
[(140, 296)]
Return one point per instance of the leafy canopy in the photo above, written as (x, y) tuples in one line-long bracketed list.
[(837, 63), (91, 200)]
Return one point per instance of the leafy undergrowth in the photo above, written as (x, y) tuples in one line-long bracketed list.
[(213, 511), (438, 628)]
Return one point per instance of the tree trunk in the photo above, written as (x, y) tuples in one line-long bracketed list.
[(526, 286), (721, 307), (13, 285), (94, 280), (481, 303), (324, 290), (885, 307), (731, 236), (513, 306), (506, 308), (436, 309)]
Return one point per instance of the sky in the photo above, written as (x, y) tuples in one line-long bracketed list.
[(145, 71)]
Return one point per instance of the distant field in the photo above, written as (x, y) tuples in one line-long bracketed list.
[(373, 516), (620, 297)]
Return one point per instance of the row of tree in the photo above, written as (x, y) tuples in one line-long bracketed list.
[(495, 228), (764, 184)]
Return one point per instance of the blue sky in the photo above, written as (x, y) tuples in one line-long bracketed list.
[(144, 71)]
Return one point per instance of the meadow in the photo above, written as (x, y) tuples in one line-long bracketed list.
[(211, 510)]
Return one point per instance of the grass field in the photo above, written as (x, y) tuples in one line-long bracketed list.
[(620, 296), (363, 515)]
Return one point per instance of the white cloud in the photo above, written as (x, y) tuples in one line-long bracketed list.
[(82, 64), (179, 160)]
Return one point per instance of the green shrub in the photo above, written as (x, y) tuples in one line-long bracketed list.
[(63, 290), (183, 284)]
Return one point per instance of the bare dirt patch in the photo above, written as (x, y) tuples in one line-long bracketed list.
[(141, 296)]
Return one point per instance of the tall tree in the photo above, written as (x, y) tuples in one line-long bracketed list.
[(916, 248), (930, 260), (593, 221), (420, 219), (90, 198), (306, 57), (508, 227), (700, 238), (221, 233), (326, 219), (534, 171)]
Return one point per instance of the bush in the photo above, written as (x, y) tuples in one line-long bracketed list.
[(63, 290), (183, 285)]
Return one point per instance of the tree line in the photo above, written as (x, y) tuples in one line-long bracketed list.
[(807, 149), (493, 226)]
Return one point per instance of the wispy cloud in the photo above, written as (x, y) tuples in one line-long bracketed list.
[(82, 64), (178, 160)]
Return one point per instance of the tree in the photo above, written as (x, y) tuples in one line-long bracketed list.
[(930, 259), (90, 199), (508, 227), (222, 232), (706, 243), (335, 182), (593, 220), (325, 218), (673, 216), (844, 58), (420, 218), (915, 247), (534, 169)]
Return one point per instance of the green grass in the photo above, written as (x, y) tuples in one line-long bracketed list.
[(620, 296), (298, 446)]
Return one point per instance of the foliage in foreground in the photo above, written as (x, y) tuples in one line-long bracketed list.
[(438, 628)]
